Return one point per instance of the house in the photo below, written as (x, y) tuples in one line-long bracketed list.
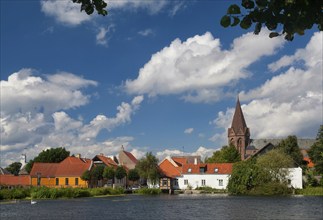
[(64, 174), (295, 178), (127, 159), (9, 180), (214, 175), (191, 173)]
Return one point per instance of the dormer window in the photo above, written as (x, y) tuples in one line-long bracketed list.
[(216, 170), (189, 170)]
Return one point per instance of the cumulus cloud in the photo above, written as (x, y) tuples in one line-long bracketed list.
[(33, 116), (64, 11), (188, 130), (198, 68), (288, 103), (101, 37), (201, 151)]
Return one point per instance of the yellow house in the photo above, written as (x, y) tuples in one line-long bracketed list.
[(64, 174)]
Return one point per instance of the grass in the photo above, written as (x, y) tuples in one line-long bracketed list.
[(310, 191)]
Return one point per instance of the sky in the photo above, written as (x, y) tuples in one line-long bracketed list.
[(154, 76)]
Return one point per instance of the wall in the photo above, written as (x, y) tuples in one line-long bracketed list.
[(295, 175), (51, 182), (211, 180)]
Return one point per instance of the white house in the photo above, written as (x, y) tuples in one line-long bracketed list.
[(295, 178)]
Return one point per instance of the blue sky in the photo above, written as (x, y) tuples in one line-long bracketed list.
[(159, 76)]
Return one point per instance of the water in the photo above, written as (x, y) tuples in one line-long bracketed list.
[(169, 207)]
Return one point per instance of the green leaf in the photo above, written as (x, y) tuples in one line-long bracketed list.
[(234, 9), (262, 3), (257, 28), (225, 21), (273, 34), (236, 21), (248, 4), (246, 22)]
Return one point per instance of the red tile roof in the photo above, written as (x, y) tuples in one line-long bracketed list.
[(71, 166), (44, 169), (131, 157), (106, 160), (11, 180), (210, 168), (168, 169)]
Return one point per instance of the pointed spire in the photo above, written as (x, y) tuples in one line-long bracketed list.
[(238, 121)]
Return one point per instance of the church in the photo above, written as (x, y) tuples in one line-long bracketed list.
[(239, 136)]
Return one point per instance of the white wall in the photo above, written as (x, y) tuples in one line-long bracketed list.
[(211, 180), (295, 175)]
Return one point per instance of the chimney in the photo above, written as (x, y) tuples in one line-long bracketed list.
[(23, 160), (78, 155), (101, 154), (195, 161)]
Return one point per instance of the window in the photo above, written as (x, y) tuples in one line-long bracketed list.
[(203, 182), (189, 170), (176, 182), (38, 179), (165, 182), (57, 181), (202, 169), (66, 181), (76, 181), (220, 182), (185, 182)]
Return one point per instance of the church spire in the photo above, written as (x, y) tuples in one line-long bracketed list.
[(238, 121)]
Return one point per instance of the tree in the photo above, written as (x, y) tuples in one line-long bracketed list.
[(316, 152), (262, 175), (294, 16), (133, 175), (14, 168), (90, 5), (52, 155), (120, 172), (86, 175), (109, 173), (225, 155), (97, 172), (148, 168), (290, 147)]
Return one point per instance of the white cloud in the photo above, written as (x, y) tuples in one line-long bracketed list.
[(65, 11), (289, 103), (101, 38), (146, 32), (201, 151), (188, 130), (23, 92), (32, 116), (198, 68)]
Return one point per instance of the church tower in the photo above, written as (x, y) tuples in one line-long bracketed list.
[(239, 133)]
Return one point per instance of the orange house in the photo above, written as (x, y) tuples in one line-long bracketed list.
[(64, 174)]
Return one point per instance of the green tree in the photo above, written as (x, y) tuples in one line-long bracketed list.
[(89, 6), (109, 173), (97, 172), (228, 154), (133, 175), (290, 147), (86, 176), (289, 16), (52, 155), (148, 168), (120, 172), (316, 152), (14, 168)]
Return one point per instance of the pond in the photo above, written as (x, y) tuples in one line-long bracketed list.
[(210, 206)]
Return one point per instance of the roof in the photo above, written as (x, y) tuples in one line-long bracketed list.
[(11, 180), (209, 168), (4, 171), (44, 169), (71, 166), (131, 157), (180, 160), (238, 121), (106, 160), (169, 168)]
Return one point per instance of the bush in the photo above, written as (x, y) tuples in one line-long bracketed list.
[(271, 188), (148, 191)]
